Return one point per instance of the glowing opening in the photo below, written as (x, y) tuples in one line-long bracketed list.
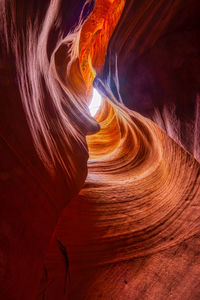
[(95, 103)]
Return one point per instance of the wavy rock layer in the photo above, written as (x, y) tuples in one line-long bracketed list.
[(43, 152), (157, 46), (136, 201), (139, 207), (132, 232)]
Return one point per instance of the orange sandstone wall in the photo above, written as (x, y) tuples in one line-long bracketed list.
[(132, 232)]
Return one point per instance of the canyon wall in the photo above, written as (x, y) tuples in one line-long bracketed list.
[(104, 207)]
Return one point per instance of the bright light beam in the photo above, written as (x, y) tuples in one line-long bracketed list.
[(95, 103)]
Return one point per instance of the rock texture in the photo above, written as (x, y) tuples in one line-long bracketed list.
[(125, 223)]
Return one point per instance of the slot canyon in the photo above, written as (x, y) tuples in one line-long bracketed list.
[(100, 149)]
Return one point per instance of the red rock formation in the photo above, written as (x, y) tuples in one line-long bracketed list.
[(43, 146), (132, 231), (157, 46)]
